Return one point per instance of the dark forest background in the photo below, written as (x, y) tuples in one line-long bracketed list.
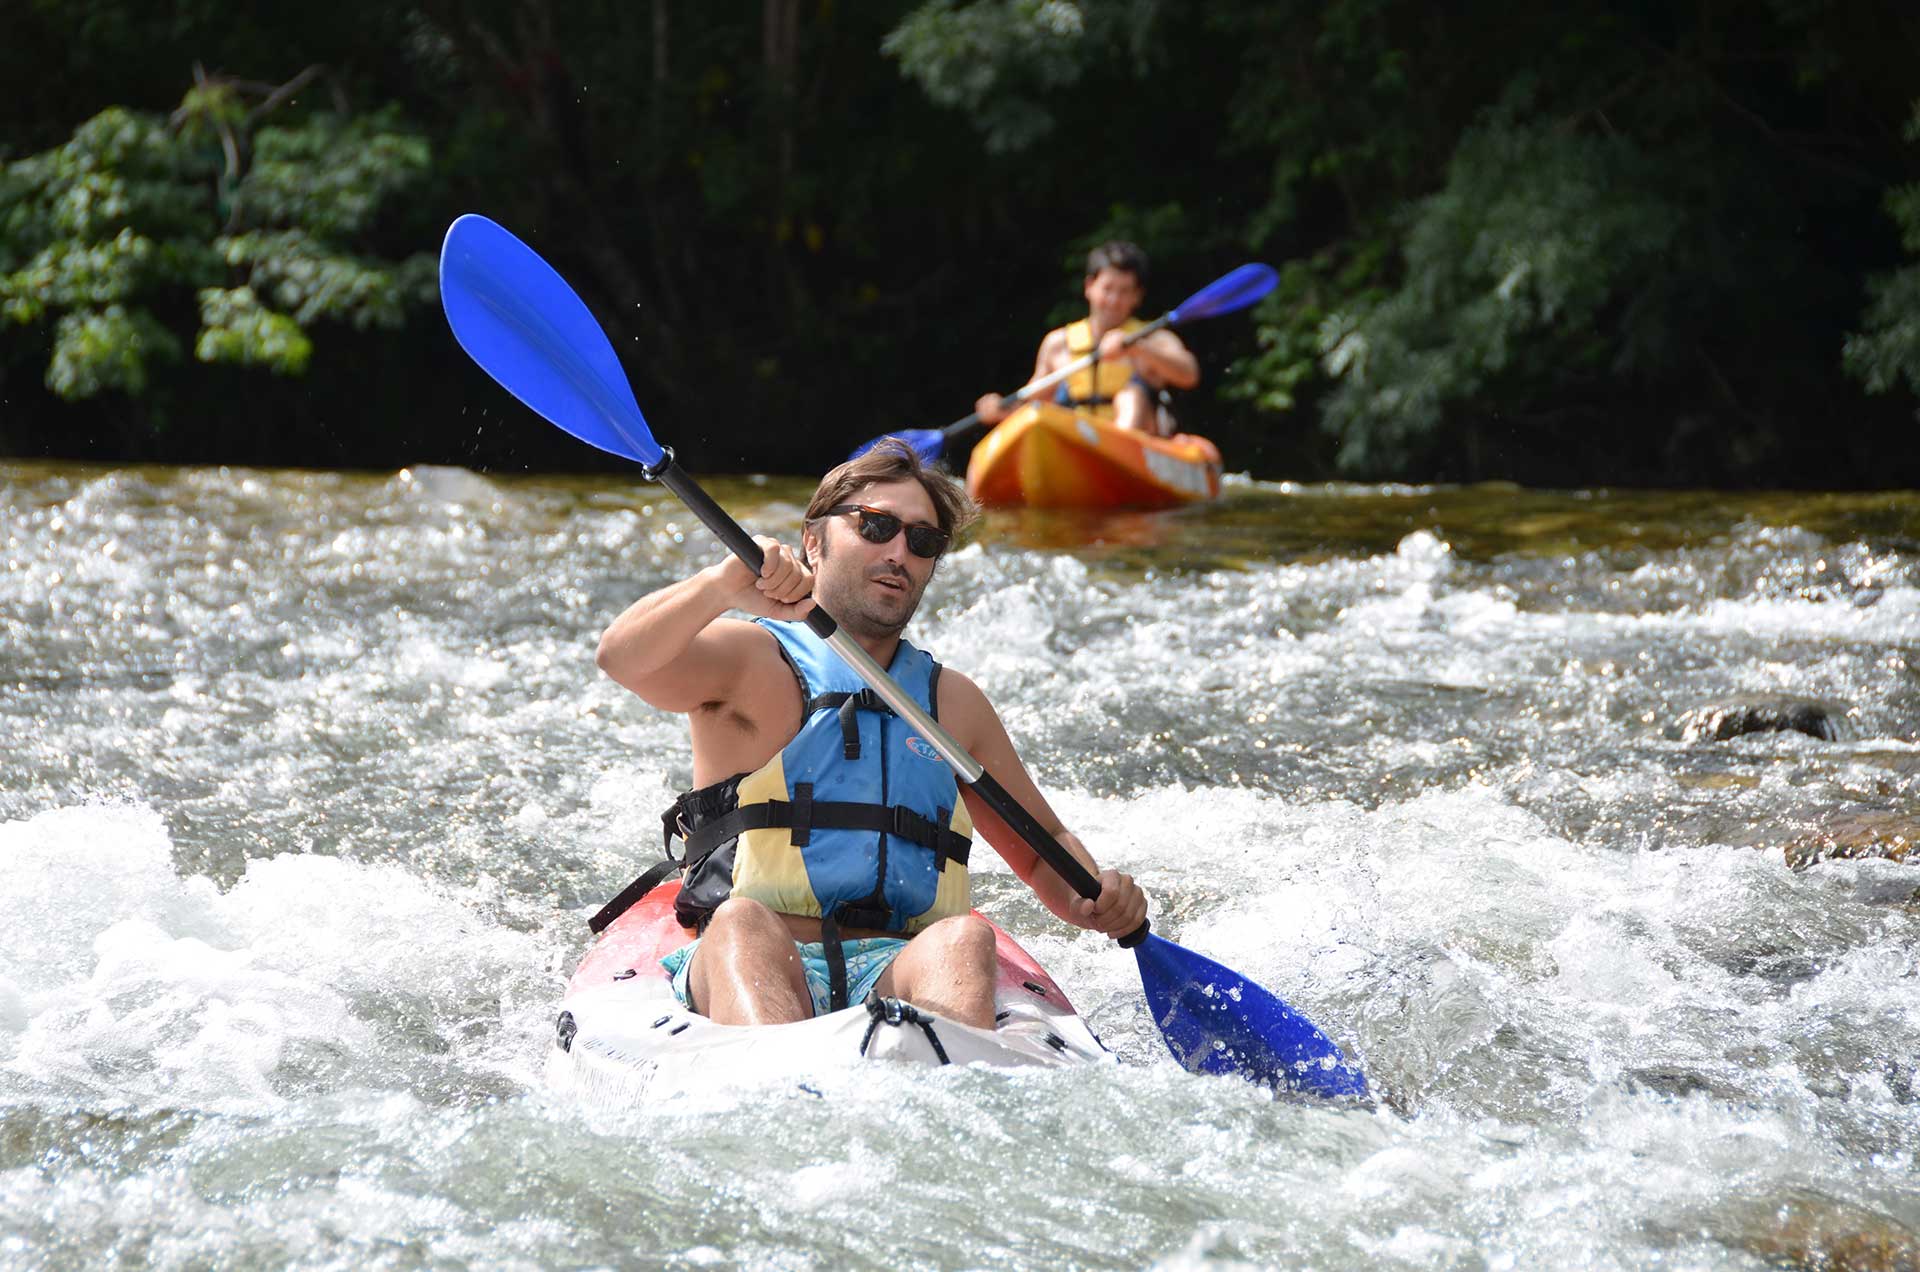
[(1666, 243)]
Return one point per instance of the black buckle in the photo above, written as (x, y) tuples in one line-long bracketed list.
[(876, 918), (802, 828), (850, 727), (910, 825)]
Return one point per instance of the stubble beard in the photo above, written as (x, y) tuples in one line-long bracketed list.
[(843, 593)]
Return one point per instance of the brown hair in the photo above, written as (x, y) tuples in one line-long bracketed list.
[(1121, 255), (894, 460)]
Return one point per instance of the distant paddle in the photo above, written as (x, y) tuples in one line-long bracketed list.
[(1229, 293), (527, 329)]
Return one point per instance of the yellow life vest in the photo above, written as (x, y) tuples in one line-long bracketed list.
[(1091, 390)]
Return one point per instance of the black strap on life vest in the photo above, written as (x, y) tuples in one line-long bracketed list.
[(835, 951), (848, 704), (804, 814), (631, 894)]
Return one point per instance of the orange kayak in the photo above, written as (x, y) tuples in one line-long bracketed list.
[(1046, 456)]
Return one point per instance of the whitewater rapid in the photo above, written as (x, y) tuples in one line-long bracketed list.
[(311, 784)]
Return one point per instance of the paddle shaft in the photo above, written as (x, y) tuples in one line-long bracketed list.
[(1052, 378), (964, 766)]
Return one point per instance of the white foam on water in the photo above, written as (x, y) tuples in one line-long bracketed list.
[(1893, 620), (133, 987), (1604, 1030)]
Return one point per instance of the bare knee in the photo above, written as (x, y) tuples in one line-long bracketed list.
[(739, 920), (967, 937)]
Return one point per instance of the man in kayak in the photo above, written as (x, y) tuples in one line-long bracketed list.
[(826, 843), (1124, 385)]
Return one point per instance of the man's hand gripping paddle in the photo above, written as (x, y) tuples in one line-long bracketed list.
[(527, 329)]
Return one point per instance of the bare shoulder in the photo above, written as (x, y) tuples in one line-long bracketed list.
[(753, 655), (728, 666), (737, 728), (741, 639), (1053, 346), (965, 711)]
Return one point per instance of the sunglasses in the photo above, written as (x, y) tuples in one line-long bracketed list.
[(880, 527)]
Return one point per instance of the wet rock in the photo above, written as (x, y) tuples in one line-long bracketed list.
[(1735, 717), (1805, 1230), (1852, 836), (1717, 781), (1903, 763), (1782, 968), (1677, 1082)]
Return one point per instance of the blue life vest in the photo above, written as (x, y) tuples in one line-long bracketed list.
[(857, 819)]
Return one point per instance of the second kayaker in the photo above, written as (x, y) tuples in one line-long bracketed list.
[(1124, 385), (826, 843)]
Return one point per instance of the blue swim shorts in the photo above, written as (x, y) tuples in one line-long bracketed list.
[(868, 958)]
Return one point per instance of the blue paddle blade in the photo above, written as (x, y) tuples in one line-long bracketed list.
[(927, 443), (1226, 294), (1217, 1021), (527, 329)]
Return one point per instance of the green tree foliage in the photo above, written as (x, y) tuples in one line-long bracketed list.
[(1516, 242), (1887, 350), (1534, 264), (1002, 60), (145, 235), (1588, 241), (1526, 236)]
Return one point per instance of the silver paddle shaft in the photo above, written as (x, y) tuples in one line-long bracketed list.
[(904, 706)]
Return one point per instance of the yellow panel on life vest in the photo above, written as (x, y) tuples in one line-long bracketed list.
[(1091, 390)]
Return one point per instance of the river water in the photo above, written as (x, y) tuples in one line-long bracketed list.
[(311, 783)]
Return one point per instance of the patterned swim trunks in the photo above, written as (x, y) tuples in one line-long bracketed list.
[(868, 958)]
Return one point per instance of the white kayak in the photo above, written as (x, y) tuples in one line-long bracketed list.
[(623, 1038)]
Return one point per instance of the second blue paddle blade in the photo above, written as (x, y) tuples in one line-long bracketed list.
[(927, 443), (1217, 1021), (1230, 293), (527, 329)]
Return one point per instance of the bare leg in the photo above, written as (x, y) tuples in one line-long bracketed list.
[(747, 969), (949, 968)]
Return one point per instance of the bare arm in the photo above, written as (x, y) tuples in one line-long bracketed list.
[(976, 726), (1162, 358), (672, 646), (993, 408)]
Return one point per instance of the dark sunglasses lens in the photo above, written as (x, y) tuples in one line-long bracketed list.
[(878, 527), (925, 541)]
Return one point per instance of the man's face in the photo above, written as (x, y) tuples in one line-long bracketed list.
[(871, 589), (1112, 296)]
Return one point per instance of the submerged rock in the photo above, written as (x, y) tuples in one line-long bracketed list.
[(1856, 835), (1678, 1082), (1806, 1230), (1767, 713)]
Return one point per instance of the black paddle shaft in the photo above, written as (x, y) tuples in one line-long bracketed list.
[(726, 529), (669, 474)]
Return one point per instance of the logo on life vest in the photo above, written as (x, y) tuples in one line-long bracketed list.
[(922, 748)]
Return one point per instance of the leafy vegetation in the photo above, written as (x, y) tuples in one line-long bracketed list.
[(1887, 350), (1618, 243), (110, 234)]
